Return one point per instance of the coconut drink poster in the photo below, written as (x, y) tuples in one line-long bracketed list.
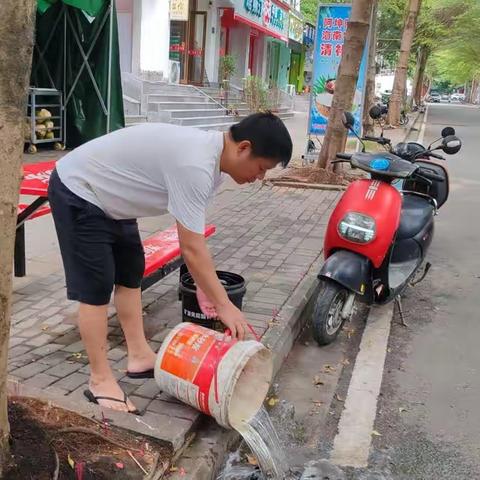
[(332, 23)]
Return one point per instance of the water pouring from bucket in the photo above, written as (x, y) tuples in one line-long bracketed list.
[(226, 379)]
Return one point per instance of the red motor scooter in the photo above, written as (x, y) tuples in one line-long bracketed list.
[(378, 235)]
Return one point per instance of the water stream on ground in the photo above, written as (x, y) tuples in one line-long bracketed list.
[(262, 439)]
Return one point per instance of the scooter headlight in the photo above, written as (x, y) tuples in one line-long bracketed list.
[(357, 228)]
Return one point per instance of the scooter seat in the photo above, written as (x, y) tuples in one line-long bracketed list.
[(416, 213)]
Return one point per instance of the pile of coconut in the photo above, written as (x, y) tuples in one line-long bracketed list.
[(43, 126)]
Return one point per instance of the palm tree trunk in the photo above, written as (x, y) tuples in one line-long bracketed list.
[(368, 124), (400, 80), (16, 32), (422, 59), (468, 91), (355, 38), (472, 90)]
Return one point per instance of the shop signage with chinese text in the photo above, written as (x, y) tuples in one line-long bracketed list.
[(332, 23), (308, 34), (295, 28), (269, 15), (179, 10)]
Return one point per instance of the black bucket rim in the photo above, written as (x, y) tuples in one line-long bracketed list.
[(187, 283)]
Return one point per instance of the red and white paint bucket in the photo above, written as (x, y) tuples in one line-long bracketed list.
[(228, 380)]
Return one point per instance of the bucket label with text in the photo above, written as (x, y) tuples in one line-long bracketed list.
[(193, 355)]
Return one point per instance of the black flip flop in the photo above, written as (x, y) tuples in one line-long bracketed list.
[(145, 374), (94, 399)]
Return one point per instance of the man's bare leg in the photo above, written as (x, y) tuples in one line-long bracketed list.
[(128, 302), (92, 321)]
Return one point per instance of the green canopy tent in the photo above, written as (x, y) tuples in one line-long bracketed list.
[(76, 51)]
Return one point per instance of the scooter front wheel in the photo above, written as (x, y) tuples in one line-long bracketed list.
[(327, 315)]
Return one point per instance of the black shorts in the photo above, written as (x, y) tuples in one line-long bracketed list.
[(98, 252)]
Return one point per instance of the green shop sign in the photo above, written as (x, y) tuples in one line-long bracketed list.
[(295, 28), (266, 13)]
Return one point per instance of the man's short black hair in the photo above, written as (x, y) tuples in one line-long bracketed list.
[(267, 134)]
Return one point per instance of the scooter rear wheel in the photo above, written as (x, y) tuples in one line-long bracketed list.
[(327, 315)]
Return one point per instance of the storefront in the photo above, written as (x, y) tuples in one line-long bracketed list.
[(255, 32), (188, 39), (297, 56)]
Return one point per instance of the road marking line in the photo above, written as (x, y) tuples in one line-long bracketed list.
[(422, 129), (351, 445)]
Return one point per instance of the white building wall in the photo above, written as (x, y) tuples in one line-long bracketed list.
[(125, 33), (212, 44), (151, 36), (261, 61), (239, 48)]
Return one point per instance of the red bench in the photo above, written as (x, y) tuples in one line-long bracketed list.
[(45, 210), (22, 216), (162, 254)]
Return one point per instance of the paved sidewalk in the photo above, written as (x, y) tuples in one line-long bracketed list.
[(270, 235)]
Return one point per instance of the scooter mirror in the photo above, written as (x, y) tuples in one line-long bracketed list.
[(448, 131), (348, 120), (451, 145), (375, 112)]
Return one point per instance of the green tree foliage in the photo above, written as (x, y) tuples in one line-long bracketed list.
[(309, 8), (457, 60), (391, 16)]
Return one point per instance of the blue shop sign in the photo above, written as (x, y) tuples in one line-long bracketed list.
[(308, 34)]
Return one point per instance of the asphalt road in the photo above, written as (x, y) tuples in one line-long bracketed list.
[(428, 417), (429, 410)]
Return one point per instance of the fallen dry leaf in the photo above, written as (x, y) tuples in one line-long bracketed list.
[(71, 462), (402, 409), (78, 355), (272, 401), (45, 328), (346, 362), (252, 460), (328, 368), (377, 434), (173, 469), (339, 398), (349, 331), (317, 380)]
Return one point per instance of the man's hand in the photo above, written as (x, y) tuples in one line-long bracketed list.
[(200, 265), (234, 319), (206, 306)]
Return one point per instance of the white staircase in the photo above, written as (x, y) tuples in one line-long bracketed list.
[(148, 101)]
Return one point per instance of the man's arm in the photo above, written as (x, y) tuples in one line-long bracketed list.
[(200, 264)]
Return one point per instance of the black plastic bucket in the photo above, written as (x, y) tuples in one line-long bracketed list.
[(234, 285)]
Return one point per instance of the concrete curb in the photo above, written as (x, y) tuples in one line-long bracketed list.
[(411, 125), (205, 455), (282, 334)]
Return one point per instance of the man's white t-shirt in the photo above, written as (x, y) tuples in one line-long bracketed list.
[(146, 170)]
